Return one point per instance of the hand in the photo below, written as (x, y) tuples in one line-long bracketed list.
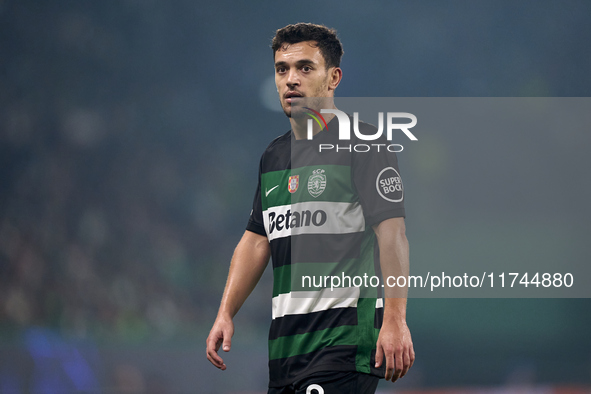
[(221, 334), (395, 344)]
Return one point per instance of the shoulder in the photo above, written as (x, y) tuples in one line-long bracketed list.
[(277, 152), (369, 129), (279, 143)]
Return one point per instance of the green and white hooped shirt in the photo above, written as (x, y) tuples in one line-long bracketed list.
[(317, 209)]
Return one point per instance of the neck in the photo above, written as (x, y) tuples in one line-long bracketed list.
[(300, 126)]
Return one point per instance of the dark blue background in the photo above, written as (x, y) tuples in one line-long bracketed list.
[(130, 134)]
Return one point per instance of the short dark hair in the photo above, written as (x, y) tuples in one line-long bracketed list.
[(328, 42)]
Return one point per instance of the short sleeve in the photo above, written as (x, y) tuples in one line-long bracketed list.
[(255, 222), (378, 183)]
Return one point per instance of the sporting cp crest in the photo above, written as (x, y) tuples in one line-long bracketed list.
[(316, 183), (293, 183)]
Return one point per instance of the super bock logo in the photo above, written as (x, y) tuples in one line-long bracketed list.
[(389, 185), (316, 183)]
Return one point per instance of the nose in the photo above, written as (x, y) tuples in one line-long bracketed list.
[(292, 79)]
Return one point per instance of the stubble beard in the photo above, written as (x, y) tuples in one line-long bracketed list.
[(316, 101)]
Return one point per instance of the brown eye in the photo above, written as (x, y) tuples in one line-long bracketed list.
[(306, 68)]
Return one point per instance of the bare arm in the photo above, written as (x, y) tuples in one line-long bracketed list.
[(394, 342), (248, 263)]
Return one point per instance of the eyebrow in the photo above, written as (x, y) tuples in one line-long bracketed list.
[(301, 62)]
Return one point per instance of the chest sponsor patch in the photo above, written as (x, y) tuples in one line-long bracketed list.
[(313, 217), (389, 185)]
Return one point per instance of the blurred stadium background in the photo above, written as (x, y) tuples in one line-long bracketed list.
[(130, 134)]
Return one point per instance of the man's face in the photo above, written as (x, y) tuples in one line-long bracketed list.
[(300, 71)]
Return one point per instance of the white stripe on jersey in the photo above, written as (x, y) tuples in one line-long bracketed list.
[(313, 217), (302, 302)]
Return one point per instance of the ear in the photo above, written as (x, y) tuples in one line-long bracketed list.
[(334, 78)]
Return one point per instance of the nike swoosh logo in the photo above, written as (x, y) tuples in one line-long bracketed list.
[(269, 191)]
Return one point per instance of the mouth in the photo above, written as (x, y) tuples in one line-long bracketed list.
[(291, 96)]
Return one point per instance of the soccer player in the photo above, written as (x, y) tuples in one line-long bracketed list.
[(337, 209)]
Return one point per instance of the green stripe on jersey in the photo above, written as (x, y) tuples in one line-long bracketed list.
[(305, 343), (294, 345), (287, 278), (316, 276), (350, 272), (365, 321), (337, 186), (281, 280)]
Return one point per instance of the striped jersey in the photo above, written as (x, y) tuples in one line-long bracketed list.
[(317, 210)]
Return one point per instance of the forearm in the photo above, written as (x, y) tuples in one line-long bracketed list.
[(248, 263), (394, 311), (394, 342), (394, 263)]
